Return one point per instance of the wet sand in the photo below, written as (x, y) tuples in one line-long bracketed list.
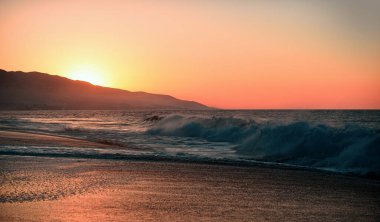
[(68, 189), (14, 138)]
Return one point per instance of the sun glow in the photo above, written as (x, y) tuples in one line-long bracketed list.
[(88, 74)]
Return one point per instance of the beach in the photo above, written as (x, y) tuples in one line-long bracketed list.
[(77, 189), (189, 110)]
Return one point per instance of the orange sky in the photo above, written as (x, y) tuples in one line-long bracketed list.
[(227, 54)]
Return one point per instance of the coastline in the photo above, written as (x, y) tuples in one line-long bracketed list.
[(47, 188)]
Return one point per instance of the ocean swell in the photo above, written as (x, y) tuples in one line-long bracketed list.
[(349, 148)]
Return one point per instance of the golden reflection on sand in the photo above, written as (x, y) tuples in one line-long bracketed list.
[(45, 189)]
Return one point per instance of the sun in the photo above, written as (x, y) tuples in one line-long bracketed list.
[(88, 74)]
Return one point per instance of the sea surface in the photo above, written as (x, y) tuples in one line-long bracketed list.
[(332, 140)]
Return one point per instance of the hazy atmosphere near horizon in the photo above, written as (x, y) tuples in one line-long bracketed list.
[(190, 110), (227, 54)]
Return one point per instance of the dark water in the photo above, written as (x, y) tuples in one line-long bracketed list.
[(342, 141)]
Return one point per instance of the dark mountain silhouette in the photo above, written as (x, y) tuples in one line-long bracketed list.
[(34, 90)]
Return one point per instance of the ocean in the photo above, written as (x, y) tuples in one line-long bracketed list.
[(332, 140)]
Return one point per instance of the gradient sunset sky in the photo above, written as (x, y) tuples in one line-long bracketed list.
[(228, 54)]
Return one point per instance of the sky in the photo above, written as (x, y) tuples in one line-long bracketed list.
[(288, 54)]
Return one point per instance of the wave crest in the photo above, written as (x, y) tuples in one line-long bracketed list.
[(349, 148)]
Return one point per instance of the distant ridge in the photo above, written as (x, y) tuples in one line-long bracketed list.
[(35, 90)]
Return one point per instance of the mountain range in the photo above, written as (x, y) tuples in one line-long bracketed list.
[(35, 90)]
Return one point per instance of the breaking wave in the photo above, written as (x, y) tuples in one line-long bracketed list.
[(348, 148)]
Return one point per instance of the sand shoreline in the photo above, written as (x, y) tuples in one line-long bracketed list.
[(67, 189)]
